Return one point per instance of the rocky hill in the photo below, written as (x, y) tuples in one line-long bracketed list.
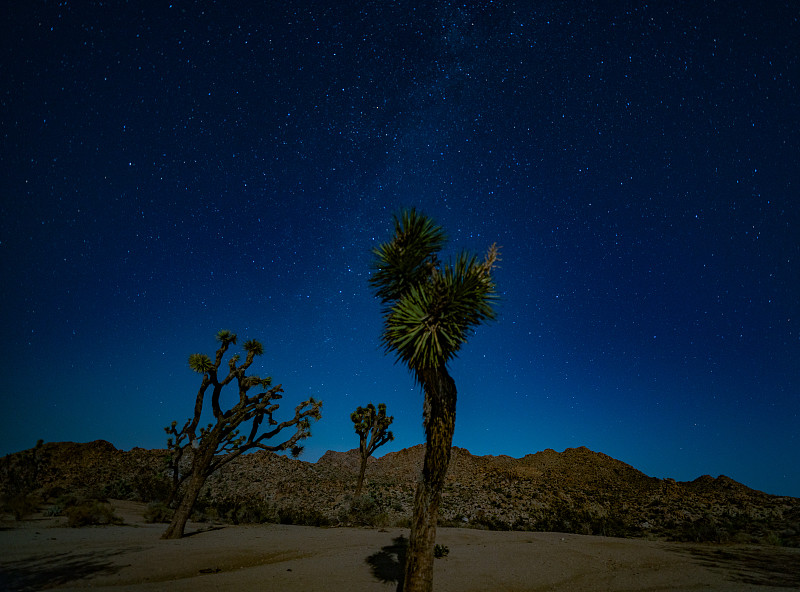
[(573, 491)]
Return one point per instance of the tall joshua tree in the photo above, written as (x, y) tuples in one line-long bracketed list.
[(220, 442), (372, 428), (430, 309)]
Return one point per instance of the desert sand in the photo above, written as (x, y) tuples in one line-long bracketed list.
[(44, 554)]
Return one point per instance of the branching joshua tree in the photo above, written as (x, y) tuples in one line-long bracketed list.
[(372, 428), (430, 309), (209, 448)]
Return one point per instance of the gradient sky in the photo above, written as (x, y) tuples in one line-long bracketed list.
[(171, 169)]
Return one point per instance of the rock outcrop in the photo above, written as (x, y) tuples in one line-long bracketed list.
[(577, 490)]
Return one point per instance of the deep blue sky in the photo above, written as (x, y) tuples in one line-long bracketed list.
[(169, 170)]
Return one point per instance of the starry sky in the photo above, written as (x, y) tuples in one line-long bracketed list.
[(168, 170)]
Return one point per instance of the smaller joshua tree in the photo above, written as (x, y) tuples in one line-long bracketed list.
[(371, 426), (220, 442)]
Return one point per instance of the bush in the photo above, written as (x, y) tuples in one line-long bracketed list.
[(255, 513), (238, 512), (206, 514), (158, 512), (91, 512), (53, 511), (20, 505), (119, 489), (142, 487), (483, 521), (150, 487), (440, 551), (702, 530), (364, 511), (772, 539), (302, 517), (61, 504)]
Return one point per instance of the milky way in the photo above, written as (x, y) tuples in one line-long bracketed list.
[(169, 170)]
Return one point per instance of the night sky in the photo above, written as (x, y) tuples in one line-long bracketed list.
[(172, 169)]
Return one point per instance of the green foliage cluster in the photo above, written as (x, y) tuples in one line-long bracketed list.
[(61, 503), (430, 307), (302, 517), (158, 512), (142, 487), (368, 419), (440, 551), (237, 511), (230, 511), (91, 512), (20, 505), (363, 510), (728, 527)]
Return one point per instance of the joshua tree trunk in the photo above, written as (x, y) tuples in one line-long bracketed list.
[(440, 422), (361, 476), (193, 487)]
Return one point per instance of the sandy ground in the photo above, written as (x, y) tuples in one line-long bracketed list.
[(41, 554)]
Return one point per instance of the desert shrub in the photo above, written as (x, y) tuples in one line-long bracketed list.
[(91, 512), (61, 504), (118, 489), (158, 512), (521, 524), (404, 522), (206, 514), (301, 517), (221, 509), (238, 512), (152, 487), (204, 509), (450, 522), (255, 513), (20, 504), (561, 517), (67, 500), (483, 521), (54, 510), (611, 525), (440, 551), (702, 530), (363, 511), (773, 539)]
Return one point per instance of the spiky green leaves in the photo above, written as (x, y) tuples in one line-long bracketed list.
[(431, 308), (406, 260), (254, 346), (366, 418), (200, 363), (429, 324), (226, 337), (372, 427)]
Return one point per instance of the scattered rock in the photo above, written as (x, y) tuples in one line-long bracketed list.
[(577, 491)]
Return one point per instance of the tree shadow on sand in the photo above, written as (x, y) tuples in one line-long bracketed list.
[(753, 565), (47, 571), (388, 563), (201, 531)]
